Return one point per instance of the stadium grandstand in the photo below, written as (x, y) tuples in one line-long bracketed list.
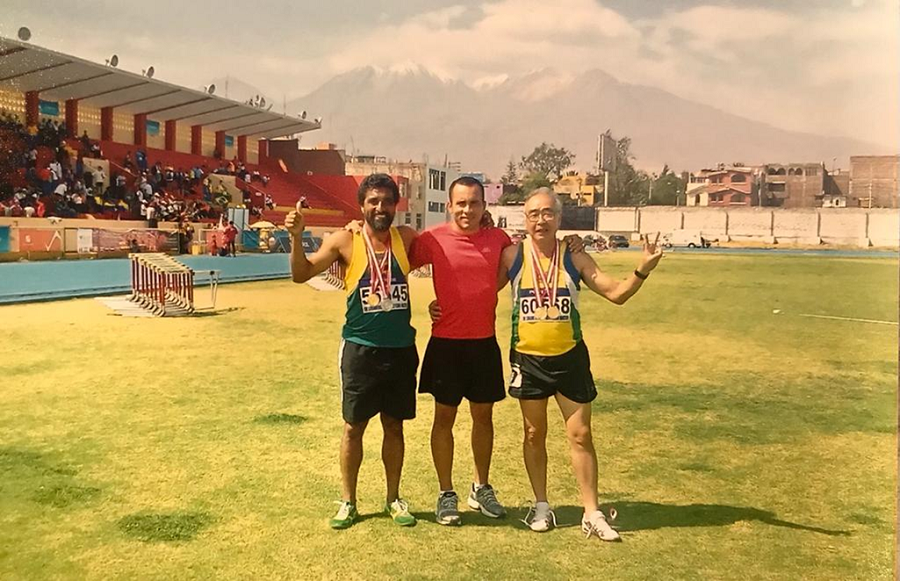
[(82, 140)]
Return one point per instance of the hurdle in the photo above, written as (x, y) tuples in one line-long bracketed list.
[(161, 284)]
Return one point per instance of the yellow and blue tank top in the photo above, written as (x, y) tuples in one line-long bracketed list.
[(531, 335), (370, 325)]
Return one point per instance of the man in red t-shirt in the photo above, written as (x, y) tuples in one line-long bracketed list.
[(463, 359)]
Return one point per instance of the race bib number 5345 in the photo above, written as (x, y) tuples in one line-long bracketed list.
[(399, 298)]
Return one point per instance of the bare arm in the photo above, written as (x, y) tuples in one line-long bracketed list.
[(617, 291), (303, 268), (506, 261)]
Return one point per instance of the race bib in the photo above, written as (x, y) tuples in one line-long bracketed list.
[(529, 310), (399, 299)]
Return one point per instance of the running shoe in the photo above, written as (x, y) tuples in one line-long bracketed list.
[(399, 511), (596, 525), (485, 499), (345, 517), (540, 517), (447, 512)]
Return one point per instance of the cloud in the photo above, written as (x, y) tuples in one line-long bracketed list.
[(822, 70)]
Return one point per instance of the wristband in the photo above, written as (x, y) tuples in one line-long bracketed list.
[(641, 276)]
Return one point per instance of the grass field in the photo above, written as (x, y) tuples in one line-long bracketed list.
[(735, 443)]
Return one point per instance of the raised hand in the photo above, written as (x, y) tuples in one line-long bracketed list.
[(652, 253), (294, 222)]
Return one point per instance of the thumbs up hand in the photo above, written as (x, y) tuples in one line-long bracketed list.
[(294, 222)]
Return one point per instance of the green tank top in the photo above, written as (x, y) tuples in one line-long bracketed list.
[(367, 323)]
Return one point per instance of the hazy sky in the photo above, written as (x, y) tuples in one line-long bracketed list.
[(825, 66)]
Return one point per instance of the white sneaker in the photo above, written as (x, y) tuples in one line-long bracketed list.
[(596, 525), (540, 517)]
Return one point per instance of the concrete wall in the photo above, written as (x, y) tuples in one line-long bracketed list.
[(848, 227), (711, 222), (616, 220), (884, 228), (841, 226), (651, 220)]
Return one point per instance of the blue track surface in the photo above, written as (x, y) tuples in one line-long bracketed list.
[(47, 280)]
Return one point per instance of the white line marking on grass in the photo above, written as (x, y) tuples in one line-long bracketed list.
[(895, 323)]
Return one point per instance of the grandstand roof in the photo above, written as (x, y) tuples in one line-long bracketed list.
[(25, 67)]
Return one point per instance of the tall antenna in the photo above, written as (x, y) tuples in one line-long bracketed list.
[(226, 86)]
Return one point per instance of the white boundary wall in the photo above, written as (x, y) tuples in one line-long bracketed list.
[(842, 226)]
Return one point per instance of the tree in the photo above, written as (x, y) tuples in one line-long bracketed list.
[(628, 186), (511, 176), (548, 160), (533, 181), (666, 188)]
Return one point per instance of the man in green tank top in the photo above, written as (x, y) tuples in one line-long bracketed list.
[(378, 358)]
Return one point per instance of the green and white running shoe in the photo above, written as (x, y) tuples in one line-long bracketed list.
[(485, 499), (596, 525), (540, 517), (447, 511), (345, 517), (399, 511)]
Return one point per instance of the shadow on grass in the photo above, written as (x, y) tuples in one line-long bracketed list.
[(164, 527), (648, 516), (276, 419), (215, 313)]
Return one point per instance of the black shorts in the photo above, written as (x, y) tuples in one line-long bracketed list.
[(462, 368), (536, 377), (378, 380)]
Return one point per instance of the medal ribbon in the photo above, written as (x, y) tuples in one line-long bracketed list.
[(377, 269), (545, 283)]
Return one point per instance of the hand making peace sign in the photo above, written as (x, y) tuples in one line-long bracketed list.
[(652, 253)]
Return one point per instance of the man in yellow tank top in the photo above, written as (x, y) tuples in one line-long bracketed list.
[(548, 356)]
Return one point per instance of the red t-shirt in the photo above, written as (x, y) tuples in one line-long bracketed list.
[(465, 269)]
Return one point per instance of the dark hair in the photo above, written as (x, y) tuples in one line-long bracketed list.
[(467, 181), (377, 181)]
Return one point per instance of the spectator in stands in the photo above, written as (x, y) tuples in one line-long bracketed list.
[(270, 203), (133, 246), (85, 142), (231, 232), (141, 158), (265, 180), (100, 179), (127, 163), (32, 157), (303, 202)]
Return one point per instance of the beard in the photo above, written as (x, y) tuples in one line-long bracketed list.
[(379, 222)]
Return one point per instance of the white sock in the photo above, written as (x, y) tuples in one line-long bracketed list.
[(541, 504)]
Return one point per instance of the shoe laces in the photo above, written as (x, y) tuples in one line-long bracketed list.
[(344, 511), (448, 501), (534, 514), (488, 493), (599, 526), (400, 505)]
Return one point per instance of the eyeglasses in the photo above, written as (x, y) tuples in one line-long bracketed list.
[(535, 215)]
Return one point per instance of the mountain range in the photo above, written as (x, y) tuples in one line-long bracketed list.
[(412, 113)]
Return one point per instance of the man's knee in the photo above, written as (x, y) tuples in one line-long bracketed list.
[(392, 426), (535, 436), (444, 417), (580, 435), (483, 414), (354, 432)]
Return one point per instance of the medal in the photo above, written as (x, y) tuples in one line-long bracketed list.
[(379, 275), (545, 285)]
